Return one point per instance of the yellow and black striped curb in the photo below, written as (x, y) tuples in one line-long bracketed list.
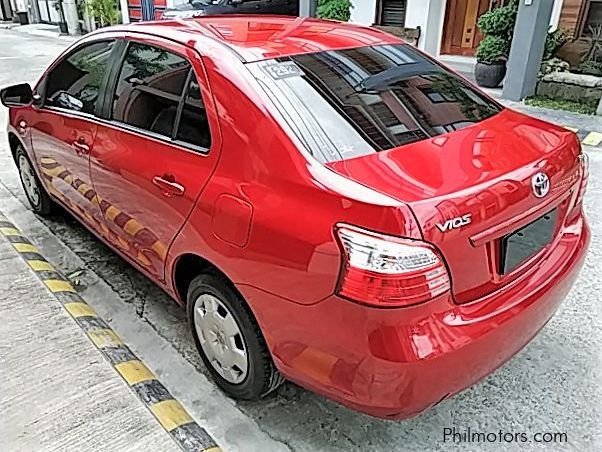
[(172, 416), (587, 137)]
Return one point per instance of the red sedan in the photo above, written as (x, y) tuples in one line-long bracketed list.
[(332, 206)]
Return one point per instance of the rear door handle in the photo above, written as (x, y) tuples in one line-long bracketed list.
[(81, 147), (169, 187)]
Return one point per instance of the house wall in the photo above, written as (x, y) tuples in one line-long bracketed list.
[(363, 12), (429, 15), (125, 14), (569, 16), (20, 6), (5, 10), (417, 12), (556, 12)]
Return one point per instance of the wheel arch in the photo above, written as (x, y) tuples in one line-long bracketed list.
[(14, 142), (188, 266)]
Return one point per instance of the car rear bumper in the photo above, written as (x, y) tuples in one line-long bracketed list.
[(396, 363)]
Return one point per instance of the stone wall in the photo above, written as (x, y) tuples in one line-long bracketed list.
[(585, 89)]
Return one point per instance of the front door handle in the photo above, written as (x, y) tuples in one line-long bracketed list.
[(22, 127), (81, 147), (168, 186)]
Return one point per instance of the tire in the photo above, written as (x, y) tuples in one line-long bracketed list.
[(210, 297), (36, 194)]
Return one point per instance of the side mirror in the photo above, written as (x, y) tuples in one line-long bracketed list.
[(17, 95)]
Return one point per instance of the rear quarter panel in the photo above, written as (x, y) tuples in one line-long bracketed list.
[(294, 202)]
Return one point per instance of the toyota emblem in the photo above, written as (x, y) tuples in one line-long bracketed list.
[(540, 184)]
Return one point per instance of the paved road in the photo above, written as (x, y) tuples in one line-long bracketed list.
[(552, 386)]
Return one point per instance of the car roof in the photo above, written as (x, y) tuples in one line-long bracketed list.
[(260, 37)]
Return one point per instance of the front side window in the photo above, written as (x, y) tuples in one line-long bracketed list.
[(157, 91), (348, 103), (75, 83)]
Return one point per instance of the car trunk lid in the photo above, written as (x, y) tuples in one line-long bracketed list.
[(470, 188)]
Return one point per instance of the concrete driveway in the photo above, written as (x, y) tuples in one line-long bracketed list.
[(552, 386)]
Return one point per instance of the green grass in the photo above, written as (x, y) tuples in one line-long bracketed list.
[(575, 107)]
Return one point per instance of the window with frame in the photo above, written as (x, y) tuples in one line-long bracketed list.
[(592, 17), (193, 125), (157, 91), (74, 84)]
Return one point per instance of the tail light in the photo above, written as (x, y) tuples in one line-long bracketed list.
[(584, 169), (387, 271)]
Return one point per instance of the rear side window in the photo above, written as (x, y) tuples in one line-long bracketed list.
[(348, 103), (75, 83), (157, 91), (193, 126)]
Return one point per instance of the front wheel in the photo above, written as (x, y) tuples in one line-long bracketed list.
[(229, 339), (36, 194)]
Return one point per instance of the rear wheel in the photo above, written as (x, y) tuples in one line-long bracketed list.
[(40, 201), (229, 339)]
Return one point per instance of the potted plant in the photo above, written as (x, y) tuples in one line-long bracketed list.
[(492, 54)]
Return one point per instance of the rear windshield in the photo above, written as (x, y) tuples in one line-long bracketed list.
[(348, 103)]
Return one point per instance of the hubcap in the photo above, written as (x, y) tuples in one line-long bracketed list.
[(220, 338), (29, 181)]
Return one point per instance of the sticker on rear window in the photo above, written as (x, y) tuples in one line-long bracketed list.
[(280, 71)]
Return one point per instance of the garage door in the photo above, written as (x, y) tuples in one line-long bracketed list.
[(393, 13)]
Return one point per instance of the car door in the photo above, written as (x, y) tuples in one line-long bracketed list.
[(155, 151), (64, 127)]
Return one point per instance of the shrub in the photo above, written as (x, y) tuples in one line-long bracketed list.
[(492, 49), (335, 9), (498, 27), (554, 41), (554, 65), (105, 12), (499, 21), (591, 68)]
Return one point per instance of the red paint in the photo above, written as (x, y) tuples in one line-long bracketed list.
[(232, 220), (265, 215)]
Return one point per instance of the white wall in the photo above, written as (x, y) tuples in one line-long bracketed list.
[(419, 13), (20, 6), (416, 13), (70, 11), (556, 13), (125, 12), (363, 12)]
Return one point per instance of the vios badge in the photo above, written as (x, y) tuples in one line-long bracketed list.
[(540, 183), (455, 223)]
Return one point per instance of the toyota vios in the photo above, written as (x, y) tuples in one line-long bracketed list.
[(332, 206)]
